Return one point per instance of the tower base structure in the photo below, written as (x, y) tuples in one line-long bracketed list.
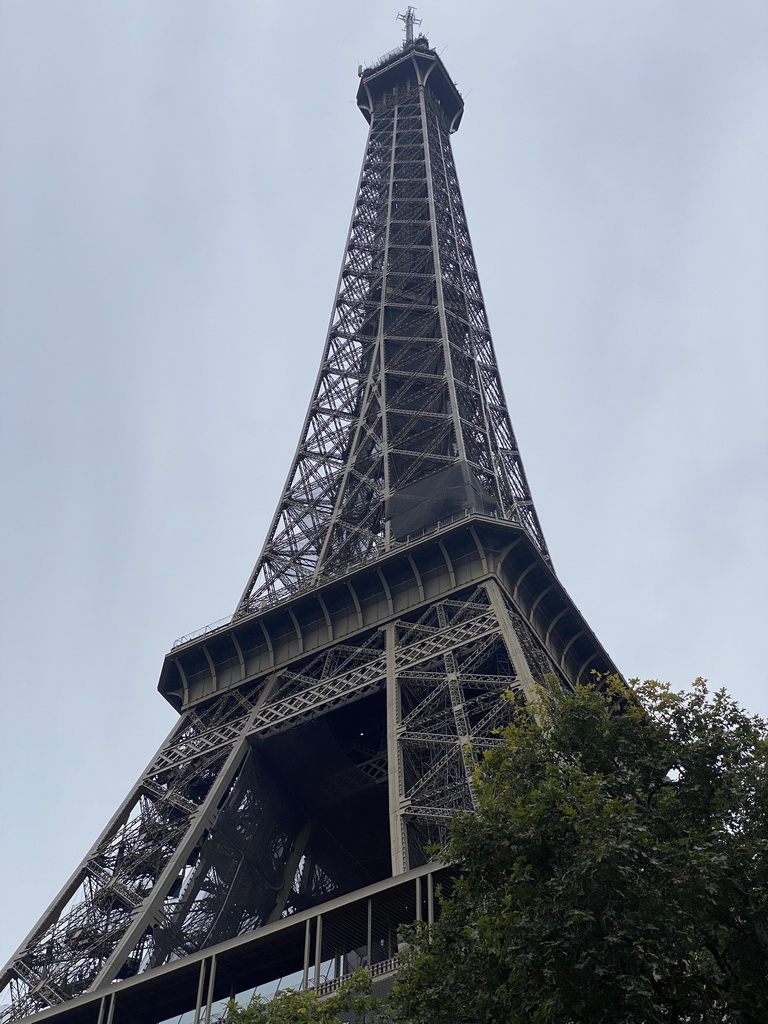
[(315, 949), (285, 827)]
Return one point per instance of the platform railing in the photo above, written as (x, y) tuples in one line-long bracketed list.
[(288, 594)]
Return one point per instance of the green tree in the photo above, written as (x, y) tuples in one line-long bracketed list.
[(353, 1000), (615, 872)]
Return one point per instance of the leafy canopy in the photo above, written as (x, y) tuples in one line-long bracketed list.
[(615, 872), (353, 1000)]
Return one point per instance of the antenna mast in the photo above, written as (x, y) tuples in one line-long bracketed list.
[(409, 19)]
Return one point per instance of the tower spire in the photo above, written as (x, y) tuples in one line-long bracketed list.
[(409, 19)]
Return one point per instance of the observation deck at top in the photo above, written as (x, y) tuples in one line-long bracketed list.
[(416, 62)]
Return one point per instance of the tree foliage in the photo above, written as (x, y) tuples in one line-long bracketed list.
[(353, 1000), (615, 872)]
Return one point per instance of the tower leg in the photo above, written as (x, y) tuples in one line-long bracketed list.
[(397, 832)]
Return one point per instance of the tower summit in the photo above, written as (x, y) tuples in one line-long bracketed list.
[(330, 729)]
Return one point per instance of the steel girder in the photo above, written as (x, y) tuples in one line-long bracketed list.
[(214, 840), (408, 384)]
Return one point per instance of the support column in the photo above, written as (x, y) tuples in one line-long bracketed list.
[(148, 913), (397, 835), (289, 872), (459, 711), (525, 676)]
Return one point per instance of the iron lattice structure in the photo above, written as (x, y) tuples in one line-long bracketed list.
[(403, 603), (408, 401)]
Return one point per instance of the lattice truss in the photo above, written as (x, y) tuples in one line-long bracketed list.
[(81, 939), (408, 383), (456, 686), (211, 843)]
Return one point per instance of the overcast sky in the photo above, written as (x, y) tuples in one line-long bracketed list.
[(176, 181)]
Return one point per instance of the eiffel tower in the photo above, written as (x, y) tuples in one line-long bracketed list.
[(403, 601)]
